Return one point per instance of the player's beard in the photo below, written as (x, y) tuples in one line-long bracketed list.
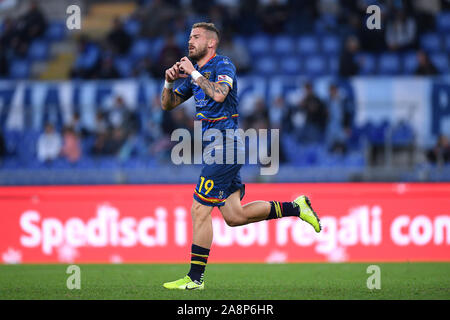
[(199, 54)]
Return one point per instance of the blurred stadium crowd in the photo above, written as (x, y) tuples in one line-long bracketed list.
[(263, 38)]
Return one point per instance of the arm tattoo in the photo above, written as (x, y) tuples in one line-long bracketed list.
[(213, 89), (169, 99)]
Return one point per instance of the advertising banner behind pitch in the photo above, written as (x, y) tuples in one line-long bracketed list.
[(148, 224)]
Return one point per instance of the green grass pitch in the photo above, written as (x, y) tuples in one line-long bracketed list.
[(229, 281)]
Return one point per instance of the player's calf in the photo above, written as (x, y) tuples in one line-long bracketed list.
[(300, 207)]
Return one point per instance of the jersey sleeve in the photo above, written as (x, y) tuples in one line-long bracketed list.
[(184, 90), (225, 72)]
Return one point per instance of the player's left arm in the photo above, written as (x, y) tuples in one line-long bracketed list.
[(217, 91)]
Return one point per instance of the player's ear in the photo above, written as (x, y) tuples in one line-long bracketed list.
[(211, 43)]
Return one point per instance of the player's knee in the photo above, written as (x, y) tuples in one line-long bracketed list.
[(198, 215), (235, 221)]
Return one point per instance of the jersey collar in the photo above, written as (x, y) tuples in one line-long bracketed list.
[(215, 54)]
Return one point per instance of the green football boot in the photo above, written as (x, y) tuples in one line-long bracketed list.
[(184, 284), (307, 213)]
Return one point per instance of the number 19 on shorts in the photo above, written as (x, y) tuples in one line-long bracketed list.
[(209, 185)]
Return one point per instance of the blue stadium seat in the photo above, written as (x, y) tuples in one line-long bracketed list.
[(85, 163), (443, 22), (157, 45), (308, 45), (39, 50), (315, 65), (402, 135), (259, 44), (89, 57), (389, 64), (290, 65), (367, 63), (283, 45), (87, 144), (333, 64), (134, 163), (60, 163), (331, 44), (355, 159), (447, 43), (124, 66), (376, 133), (19, 69), (28, 145), (107, 163), (431, 42), (410, 62), (266, 65), (12, 140), (9, 163), (354, 142), (440, 61), (56, 31), (132, 27), (140, 48)]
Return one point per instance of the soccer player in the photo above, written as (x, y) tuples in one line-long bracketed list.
[(212, 82)]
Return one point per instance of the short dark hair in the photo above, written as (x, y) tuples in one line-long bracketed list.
[(207, 26)]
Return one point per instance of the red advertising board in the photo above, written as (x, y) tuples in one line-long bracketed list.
[(152, 224)]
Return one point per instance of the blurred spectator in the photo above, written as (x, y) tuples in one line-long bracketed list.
[(153, 130), (2, 147), (8, 33), (88, 57), (119, 116), (348, 65), (99, 147), (237, 53), (329, 12), (115, 141), (33, 23), (277, 112), (401, 31), (100, 133), (201, 7), (49, 144), (181, 119), (109, 142), (118, 39), (158, 140), (335, 133), (106, 69), (30, 26), (425, 12), (277, 116), (169, 54), (274, 14), (259, 119), (101, 125), (4, 66), (145, 68), (77, 125), (316, 115), (251, 23), (440, 153), (71, 149), (425, 66), (155, 14)]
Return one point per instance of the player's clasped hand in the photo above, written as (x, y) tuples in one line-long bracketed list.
[(186, 65), (174, 73)]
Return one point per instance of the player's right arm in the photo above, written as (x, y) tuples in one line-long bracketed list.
[(170, 100)]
